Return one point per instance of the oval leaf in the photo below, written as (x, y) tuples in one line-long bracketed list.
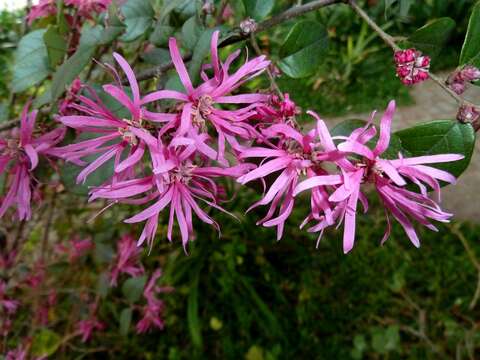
[(133, 287), (125, 321), (432, 37), (258, 9), (31, 61), (303, 49), (471, 47), (138, 16), (440, 137)]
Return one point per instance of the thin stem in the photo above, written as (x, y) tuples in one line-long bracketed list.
[(387, 38), (444, 86), (273, 83)]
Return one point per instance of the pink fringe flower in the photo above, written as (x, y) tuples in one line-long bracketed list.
[(177, 182), (293, 155), (127, 260), (114, 135), (198, 110), (152, 312), (19, 156), (389, 178)]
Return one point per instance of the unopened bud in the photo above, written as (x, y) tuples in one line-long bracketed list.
[(208, 7), (467, 114), (412, 66), (248, 26)]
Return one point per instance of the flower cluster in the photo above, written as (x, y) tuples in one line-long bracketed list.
[(187, 145), (412, 66), (209, 133), (458, 80), (84, 8), (19, 156)]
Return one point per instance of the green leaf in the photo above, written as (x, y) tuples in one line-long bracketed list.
[(303, 49), (71, 68), (258, 9), (432, 37), (113, 30), (167, 8), (157, 56), (440, 137), (103, 285), (161, 33), (45, 343), (138, 17), (125, 321), (56, 45), (194, 324), (132, 288), (471, 47), (202, 48), (31, 61), (346, 127), (191, 32)]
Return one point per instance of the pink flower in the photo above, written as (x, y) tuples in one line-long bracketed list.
[(8, 305), (178, 181), (18, 354), (76, 248), (152, 312), (19, 156), (43, 9), (86, 327), (198, 110), (127, 260), (412, 66), (458, 80), (293, 155), (389, 178), (114, 135), (88, 8)]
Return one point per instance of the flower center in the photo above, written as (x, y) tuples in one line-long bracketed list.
[(202, 109), (182, 174), (128, 136)]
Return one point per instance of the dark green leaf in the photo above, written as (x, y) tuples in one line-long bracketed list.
[(132, 288), (194, 324), (168, 7), (31, 61), (56, 45), (103, 285), (45, 343), (258, 9), (191, 32), (157, 56), (113, 30), (440, 137), (471, 47), (125, 321), (202, 48), (304, 49), (138, 16), (432, 37), (161, 34), (71, 68)]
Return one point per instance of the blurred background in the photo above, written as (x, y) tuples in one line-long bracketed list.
[(245, 295)]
